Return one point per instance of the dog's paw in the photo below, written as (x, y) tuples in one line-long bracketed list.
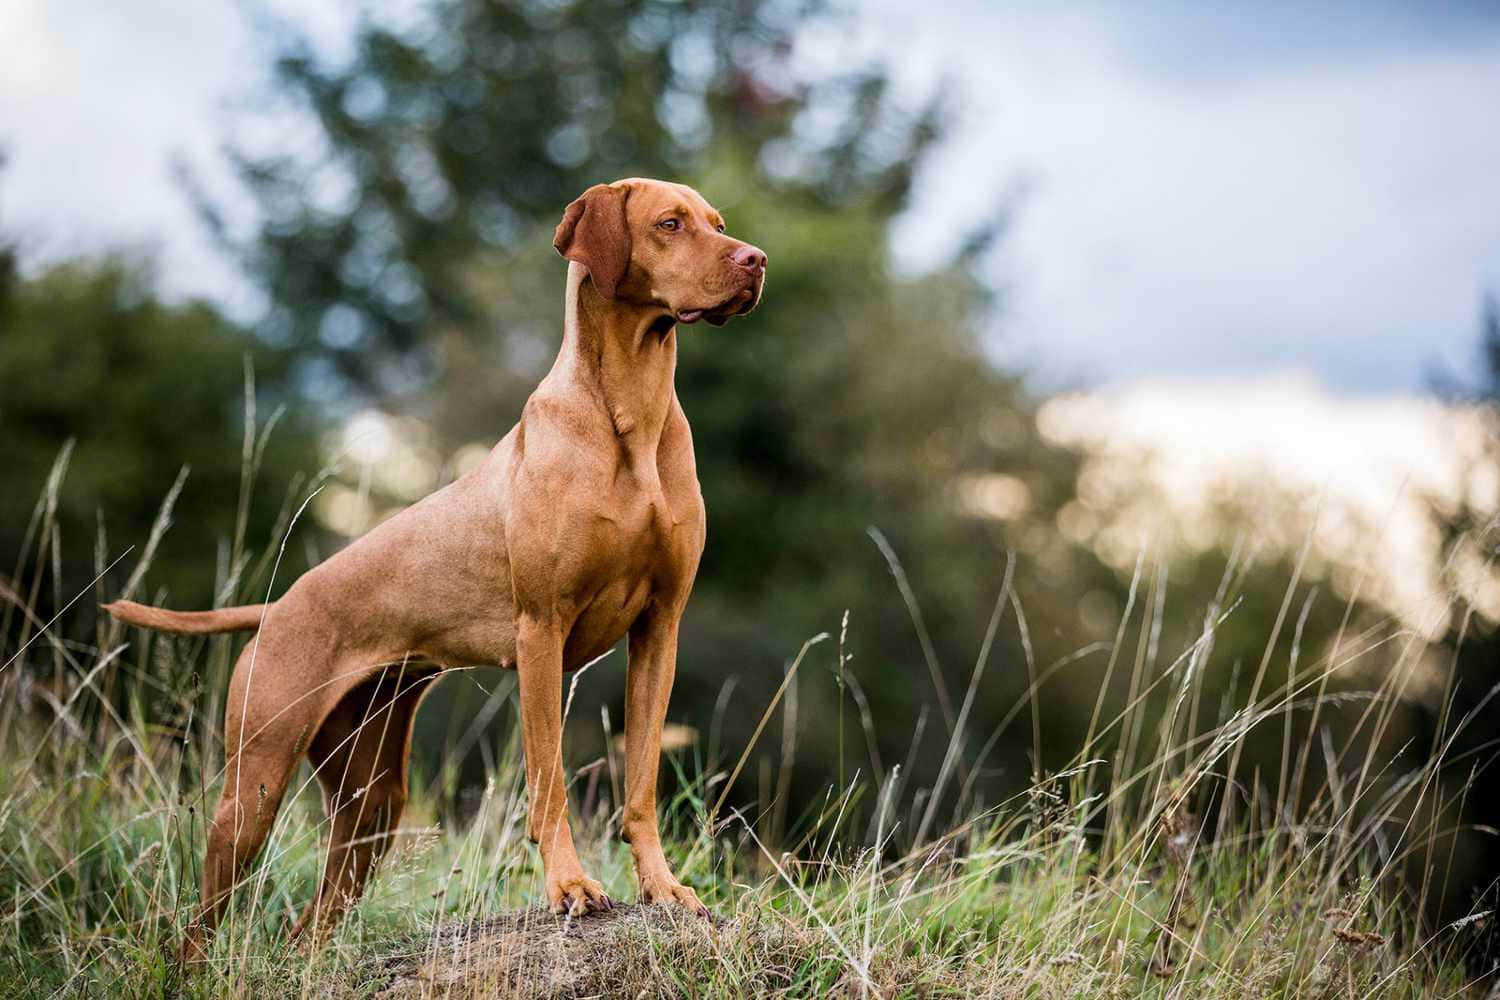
[(575, 894), (192, 950), (663, 888)]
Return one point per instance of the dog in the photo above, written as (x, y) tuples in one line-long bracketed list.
[(583, 525)]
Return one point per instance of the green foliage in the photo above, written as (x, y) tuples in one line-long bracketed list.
[(459, 130), (1463, 723), (856, 396), (142, 389)]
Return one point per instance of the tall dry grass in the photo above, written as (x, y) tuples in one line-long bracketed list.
[(1106, 878)]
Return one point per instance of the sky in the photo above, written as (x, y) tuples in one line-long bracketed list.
[(1353, 479), (1225, 189), (1198, 190)]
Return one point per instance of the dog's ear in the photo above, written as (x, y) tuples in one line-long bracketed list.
[(593, 233)]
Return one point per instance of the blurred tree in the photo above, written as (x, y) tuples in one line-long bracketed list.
[(1459, 721), (142, 388), (454, 132), (406, 254)]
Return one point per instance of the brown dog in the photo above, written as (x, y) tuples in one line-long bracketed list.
[(585, 523)]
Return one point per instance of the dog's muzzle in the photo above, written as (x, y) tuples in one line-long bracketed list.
[(750, 262)]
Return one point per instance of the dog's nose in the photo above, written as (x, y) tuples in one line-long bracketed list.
[(750, 258)]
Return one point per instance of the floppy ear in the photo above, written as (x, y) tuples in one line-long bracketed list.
[(593, 233)]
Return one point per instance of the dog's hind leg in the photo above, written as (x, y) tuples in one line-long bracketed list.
[(277, 697), (360, 756)]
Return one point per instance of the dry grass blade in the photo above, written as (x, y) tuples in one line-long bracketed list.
[(760, 726)]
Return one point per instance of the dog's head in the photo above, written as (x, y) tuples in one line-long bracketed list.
[(661, 246)]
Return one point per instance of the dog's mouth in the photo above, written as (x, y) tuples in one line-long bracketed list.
[(737, 304)]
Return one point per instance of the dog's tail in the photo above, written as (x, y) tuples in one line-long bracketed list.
[(244, 618)]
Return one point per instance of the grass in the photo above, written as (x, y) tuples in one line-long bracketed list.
[(98, 847), (1101, 880)]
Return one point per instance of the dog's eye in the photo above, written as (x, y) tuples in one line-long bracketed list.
[(670, 225), (720, 227)]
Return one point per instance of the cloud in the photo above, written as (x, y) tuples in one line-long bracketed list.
[(1202, 43), (99, 100), (1334, 211)]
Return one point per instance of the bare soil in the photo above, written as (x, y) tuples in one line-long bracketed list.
[(622, 952)]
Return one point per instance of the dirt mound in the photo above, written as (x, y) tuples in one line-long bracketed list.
[(533, 953), (647, 951)]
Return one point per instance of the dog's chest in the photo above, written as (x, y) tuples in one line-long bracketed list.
[(648, 531), (648, 540)]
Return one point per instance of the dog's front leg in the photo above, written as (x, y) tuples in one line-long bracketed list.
[(539, 649), (653, 661)]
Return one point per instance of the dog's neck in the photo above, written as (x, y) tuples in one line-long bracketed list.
[(622, 353)]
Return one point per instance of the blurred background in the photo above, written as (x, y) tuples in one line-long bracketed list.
[(1099, 323)]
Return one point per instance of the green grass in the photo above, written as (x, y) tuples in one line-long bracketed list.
[(98, 858), (101, 833), (1098, 881)]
